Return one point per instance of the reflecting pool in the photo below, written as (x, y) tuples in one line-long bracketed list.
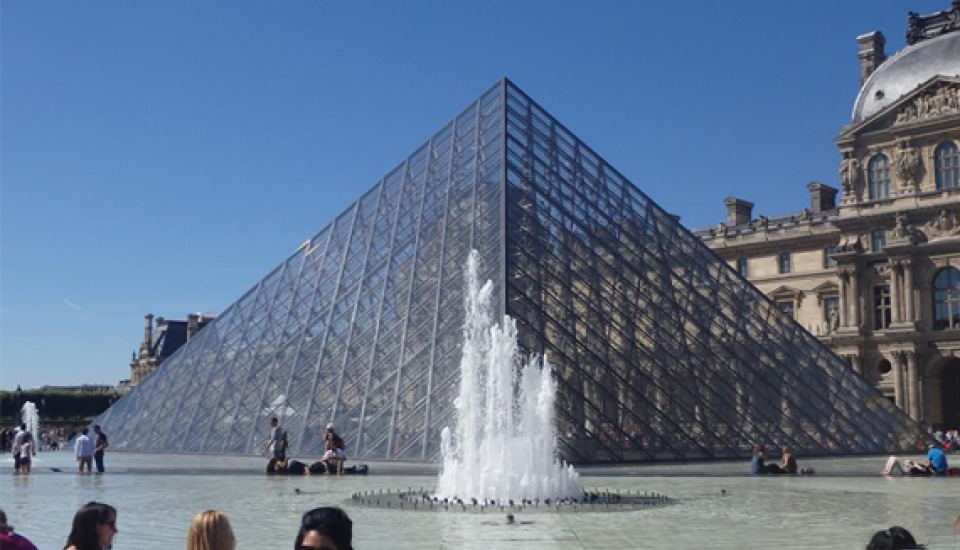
[(157, 499)]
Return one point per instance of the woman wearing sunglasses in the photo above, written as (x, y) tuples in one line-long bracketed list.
[(94, 527)]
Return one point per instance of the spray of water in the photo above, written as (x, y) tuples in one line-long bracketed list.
[(31, 418), (504, 444)]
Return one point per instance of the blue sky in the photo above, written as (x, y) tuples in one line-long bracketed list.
[(163, 156)]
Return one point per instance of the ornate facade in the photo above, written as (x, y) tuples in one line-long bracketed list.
[(876, 276), (162, 341)]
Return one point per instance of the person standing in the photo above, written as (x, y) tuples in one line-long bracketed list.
[(102, 445), (277, 444), (84, 450), (18, 440), (28, 449)]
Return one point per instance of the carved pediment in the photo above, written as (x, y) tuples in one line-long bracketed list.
[(786, 292), (944, 226), (939, 100), (936, 98), (826, 288)]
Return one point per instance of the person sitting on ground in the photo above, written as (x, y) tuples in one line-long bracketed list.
[(894, 538), (756, 463), (287, 466), (325, 529), (10, 540), (211, 530), (788, 464), (94, 527), (333, 450), (936, 460)]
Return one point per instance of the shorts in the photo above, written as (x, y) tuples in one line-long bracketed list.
[(334, 454), (85, 460)]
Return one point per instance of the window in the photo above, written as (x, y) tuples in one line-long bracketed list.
[(879, 175), (743, 266), (947, 161), (831, 311), (828, 260), (878, 240), (783, 261), (881, 307), (946, 299), (787, 307)]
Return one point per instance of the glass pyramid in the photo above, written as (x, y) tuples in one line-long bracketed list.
[(662, 350)]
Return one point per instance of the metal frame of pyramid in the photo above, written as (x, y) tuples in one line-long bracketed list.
[(662, 350)]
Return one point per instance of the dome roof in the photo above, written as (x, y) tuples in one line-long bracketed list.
[(905, 70)]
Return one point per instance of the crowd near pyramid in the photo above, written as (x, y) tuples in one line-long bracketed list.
[(661, 350)]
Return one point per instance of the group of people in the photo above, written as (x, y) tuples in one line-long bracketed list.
[(787, 465), (334, 453), (949, 440), (86, 450), (935, 465), (24, 449), (95, 525)]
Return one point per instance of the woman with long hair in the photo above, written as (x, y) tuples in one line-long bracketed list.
[(94, 527), (325, 529), (211, 530)]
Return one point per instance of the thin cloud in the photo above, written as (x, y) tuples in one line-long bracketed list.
[(70, 304)]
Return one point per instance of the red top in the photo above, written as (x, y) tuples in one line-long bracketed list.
[(13, 541)]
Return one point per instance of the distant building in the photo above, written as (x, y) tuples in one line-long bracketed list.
[(84, 388), (877, 275), (162, 341)]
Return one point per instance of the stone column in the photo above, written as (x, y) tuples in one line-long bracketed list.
[(898, 377), (844, 299), (913, 385), (908, 291), (855, 299), (895, 292), (857, 364)]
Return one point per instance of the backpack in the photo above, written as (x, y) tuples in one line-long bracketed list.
[(282, 442)]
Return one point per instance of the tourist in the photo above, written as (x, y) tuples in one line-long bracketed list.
[(894, 538), (17, 441), (10, 540), (94, 527), (28, 448), (211, 530), (325, 529), (277, 444), (936, 461), (83, 450), (788, 464), (756, 463), (102, 445), (333, 450)]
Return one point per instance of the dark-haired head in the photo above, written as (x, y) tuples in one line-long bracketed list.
[(325, 529), (85, 431), (894, 538), (94, 526)]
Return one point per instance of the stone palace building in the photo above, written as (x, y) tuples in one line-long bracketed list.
[(873, 268), (162, 341)]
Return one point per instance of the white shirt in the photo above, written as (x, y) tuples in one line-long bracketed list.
[(84, 447), (18, 440)]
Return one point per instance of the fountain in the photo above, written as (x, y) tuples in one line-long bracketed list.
[(30, 417), (504, 444)]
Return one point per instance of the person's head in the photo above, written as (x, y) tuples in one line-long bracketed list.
[(96, 428), (274, 422), (758, 448), (5, 529), (23, 425), (211, 530), (85, 431), (94, 527), (894, 538), (325, 529)]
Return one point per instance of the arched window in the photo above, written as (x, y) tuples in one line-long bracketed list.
[(947, 161), (878, 171), (946, 299)]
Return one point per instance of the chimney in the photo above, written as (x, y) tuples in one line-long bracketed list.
[(822, 197), (148, 329), (193, 325), (871, 53), (739, 211)]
